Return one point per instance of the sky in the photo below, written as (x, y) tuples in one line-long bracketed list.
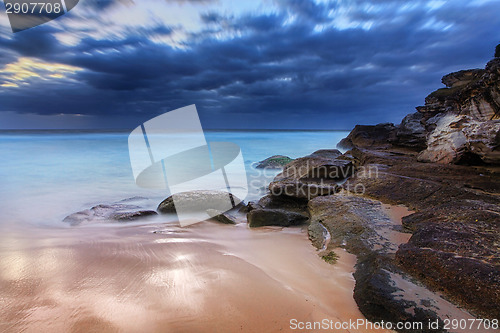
[(246, 64)]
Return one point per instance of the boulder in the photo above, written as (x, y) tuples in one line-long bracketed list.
[(314, 175), (199, 201), (369, 136), (274, 162), (274, 217), (116, 212)]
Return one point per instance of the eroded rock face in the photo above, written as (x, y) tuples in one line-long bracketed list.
[(462, 120), (458, 124), (461, 140), (311, 176)]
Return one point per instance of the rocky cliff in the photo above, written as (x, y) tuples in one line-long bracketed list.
[(459, 124)]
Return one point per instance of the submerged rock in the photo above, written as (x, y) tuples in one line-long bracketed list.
[(133, 216), (274, 162), (116, 212)]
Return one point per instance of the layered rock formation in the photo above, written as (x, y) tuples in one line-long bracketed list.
[(459, 124)]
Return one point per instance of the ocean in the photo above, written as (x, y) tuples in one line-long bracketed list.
[(47, 175)]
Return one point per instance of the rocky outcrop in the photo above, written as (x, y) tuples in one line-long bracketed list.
[(456, 226), (201, 200), (383, 291), (113, 212), (460, 140), (459, 124), (311, 176), (274, 162), (463, 119)]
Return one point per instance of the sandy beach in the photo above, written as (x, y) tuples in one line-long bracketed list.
[(204, 278)]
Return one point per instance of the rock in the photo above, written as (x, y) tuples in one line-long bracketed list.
[(460, 140), (221, 216), (274, 162), (497, 51), (461, 121), (461, 78), (411, 133), (293, 204), (133, 216), (100, 213), (455, 227), (314, 175), (198, 201), (362, 226), (365, 136), (274, 217)]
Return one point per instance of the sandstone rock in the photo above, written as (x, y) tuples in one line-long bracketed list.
[(459, 139), (198, 201), (362, 227), (461, 121), (461, 78), (311, 176), (274, 162), (274, 217), (447, 143), (364, 136), (455, 228)]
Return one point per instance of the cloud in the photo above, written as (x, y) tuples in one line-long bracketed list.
[(294, 64)]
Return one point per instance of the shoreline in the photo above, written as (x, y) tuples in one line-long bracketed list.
[(206, 277)]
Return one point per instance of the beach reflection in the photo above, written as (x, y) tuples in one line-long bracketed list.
[(208, 277)]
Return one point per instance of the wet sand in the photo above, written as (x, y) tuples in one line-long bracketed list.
[(204, 278)]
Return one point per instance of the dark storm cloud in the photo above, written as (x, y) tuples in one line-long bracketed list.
[(271, 71)]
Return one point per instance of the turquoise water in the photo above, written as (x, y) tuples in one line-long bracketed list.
[(44, 176)]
